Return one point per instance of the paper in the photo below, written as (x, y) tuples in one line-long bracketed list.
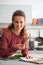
[(33, 60)]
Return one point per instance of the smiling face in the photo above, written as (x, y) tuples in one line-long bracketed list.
[(18, 23)]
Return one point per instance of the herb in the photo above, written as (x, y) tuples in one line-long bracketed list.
[(16, 56)]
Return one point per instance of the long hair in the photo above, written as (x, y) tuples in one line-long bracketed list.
[(18, 13)]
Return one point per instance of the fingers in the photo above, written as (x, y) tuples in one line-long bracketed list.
[(20, 46), (28, 57)]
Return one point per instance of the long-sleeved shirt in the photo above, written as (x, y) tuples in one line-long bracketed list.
[(9, 40)]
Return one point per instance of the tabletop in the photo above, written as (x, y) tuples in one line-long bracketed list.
[(18, 62), (15, 62)]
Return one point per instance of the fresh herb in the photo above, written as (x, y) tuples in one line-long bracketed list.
[(16, 56)]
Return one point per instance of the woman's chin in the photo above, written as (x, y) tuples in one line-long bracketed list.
[(18, 29)]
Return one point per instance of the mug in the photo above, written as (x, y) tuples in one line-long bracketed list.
[(35, 44)]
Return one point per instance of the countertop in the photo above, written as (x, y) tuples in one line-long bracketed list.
[(18, 62)]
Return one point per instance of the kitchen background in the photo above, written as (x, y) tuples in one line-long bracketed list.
[(33, 10)]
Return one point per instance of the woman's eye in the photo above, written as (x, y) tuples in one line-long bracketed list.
[(16, 21), (21, 22)]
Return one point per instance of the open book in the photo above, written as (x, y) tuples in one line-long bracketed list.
[(32, 60)]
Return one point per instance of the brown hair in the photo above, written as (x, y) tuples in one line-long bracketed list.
[(17, 13)]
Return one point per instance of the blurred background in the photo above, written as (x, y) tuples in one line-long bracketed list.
[(34, 19)]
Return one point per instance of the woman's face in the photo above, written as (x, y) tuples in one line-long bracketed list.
[(19, 22)]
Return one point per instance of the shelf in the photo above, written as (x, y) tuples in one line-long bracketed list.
[(4, 25), (36, 27)]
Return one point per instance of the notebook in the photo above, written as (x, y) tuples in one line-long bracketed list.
[(32, 60)]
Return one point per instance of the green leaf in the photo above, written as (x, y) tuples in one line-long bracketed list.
[(16, 56)]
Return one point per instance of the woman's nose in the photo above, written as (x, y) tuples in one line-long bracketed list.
[(18, 24)]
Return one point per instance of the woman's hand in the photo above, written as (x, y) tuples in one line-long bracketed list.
[(28, 56), (20, 46)]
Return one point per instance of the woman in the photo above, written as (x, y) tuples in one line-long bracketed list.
[(15, 36)]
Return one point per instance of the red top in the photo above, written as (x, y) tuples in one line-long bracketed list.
[(8, 40)]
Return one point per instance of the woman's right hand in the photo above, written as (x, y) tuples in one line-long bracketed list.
[(20, 46)]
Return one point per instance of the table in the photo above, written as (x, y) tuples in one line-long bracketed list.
[(18, 62)]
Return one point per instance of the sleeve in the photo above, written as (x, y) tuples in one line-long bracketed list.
[(4, 49), (25, 51), (3, 46)]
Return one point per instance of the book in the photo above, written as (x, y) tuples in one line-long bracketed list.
[(32, 60)]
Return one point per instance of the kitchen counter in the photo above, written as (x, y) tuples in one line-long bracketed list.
[(18, 62)]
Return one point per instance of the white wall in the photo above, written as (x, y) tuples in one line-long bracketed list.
[(37, 10), (6, 12), (37, 6)]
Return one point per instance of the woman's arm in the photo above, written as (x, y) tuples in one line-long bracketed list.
[(5, 50), (25, 52), (3, 46)]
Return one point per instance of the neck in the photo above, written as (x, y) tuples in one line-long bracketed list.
[(16, 32)]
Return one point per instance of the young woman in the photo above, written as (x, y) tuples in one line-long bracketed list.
[(15, 36)]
